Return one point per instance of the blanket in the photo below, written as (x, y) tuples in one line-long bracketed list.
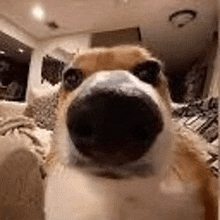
[(201, 117), (36, 139), (23, 148)]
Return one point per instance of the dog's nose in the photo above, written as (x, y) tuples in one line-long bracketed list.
[(114, 128)]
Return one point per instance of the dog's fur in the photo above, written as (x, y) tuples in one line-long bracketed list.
[(180, 185)]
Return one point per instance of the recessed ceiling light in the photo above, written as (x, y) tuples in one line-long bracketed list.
[(38, 12), (20, 50), (2, 52)]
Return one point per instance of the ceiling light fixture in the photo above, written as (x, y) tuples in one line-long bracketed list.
[(52, 25), (182, 17), (38, 13)]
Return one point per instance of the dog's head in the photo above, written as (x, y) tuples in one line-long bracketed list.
[(113, 118)]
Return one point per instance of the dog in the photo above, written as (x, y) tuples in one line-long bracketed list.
[(116, 152)]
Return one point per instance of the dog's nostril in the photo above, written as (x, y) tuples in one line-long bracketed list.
[(140, 132), (83, 130)]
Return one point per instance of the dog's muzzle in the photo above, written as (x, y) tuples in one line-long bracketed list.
[(113, 124)]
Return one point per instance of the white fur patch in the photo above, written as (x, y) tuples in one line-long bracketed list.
[(73, 195)]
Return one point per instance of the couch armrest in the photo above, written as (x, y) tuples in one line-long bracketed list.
[(10, 109)]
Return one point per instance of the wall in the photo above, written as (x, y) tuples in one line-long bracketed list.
[(34, 72), (118, 37), (215, 84), (69, 43), (214, 89), (58, 48)]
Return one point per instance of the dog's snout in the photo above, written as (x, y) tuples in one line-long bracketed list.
[(114, 128)]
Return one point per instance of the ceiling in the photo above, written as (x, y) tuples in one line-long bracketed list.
[(98, 15), (152, 16)]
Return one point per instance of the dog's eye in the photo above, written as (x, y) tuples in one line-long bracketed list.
[(72, 78), (148, 71)]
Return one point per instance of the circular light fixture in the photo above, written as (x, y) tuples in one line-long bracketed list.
[(182, 17), (38, 13)]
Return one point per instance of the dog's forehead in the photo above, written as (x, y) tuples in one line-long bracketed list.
[(116, 58)]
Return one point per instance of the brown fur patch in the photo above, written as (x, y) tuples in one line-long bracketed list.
[(163, 91), (121, 58), (189, 168)]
